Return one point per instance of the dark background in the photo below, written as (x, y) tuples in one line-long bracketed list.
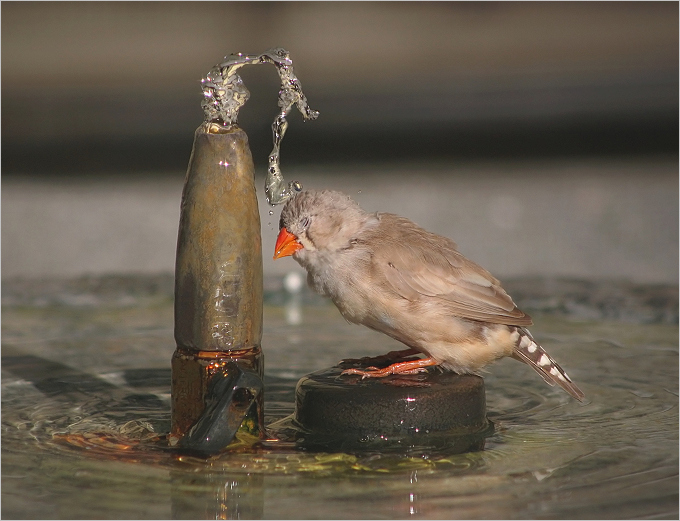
[(541, 137), (90, 87)]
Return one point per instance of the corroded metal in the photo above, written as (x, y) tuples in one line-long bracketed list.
[(218, 273), (218, 278), (192, 374)]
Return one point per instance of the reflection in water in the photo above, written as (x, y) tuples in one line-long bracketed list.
[(208, 495), (85, 408)]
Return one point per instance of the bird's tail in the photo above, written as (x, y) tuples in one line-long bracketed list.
[(529, 352)]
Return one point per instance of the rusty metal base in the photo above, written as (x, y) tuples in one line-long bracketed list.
[(192, 373)]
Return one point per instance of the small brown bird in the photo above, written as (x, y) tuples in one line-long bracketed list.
[(387, 273)]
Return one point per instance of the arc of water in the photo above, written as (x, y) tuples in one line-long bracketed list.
[(225, 93)]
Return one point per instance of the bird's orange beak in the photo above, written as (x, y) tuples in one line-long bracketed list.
[(286, 244)]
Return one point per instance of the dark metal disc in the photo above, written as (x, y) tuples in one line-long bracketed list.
[(406, 409)]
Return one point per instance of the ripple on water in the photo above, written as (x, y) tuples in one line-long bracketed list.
[(79, 439)]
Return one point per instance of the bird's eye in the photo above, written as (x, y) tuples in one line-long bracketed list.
[(305, 222)]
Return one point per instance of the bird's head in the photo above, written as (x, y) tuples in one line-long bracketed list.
[(318, 221)]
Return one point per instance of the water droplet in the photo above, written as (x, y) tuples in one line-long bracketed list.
[(358, 191), (271, 212), (224, 94)]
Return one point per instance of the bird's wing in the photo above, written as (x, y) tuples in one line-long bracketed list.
[(421, 266)]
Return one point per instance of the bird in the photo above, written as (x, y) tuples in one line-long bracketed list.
[(387, 273)]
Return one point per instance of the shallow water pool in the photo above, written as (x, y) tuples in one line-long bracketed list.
[(85, 406)]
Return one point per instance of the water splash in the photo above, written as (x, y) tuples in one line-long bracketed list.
[(224, 93)]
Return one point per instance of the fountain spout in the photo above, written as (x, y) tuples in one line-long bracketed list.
[(217, 367), (218, 287)]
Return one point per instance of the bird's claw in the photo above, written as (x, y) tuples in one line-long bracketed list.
[(365, 373), (374, 372), (369, 372)]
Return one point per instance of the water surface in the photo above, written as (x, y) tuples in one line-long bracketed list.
[(85, 406)]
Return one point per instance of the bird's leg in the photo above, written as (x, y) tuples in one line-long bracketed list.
[(390, 357), (410, 367)]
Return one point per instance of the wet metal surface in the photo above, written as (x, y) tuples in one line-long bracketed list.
[(202, 386), (218, 284), (404, 413), (218, 294)]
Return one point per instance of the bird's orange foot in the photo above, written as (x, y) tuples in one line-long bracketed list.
[(410, 367)]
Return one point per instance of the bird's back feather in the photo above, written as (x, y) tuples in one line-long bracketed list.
[(420, 265)]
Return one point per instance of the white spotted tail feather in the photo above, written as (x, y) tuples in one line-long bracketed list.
[(529, 352)]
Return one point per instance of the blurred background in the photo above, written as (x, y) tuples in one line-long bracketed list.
[(541, 137)]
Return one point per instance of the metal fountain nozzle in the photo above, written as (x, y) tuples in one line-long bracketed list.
[(217, 368)]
